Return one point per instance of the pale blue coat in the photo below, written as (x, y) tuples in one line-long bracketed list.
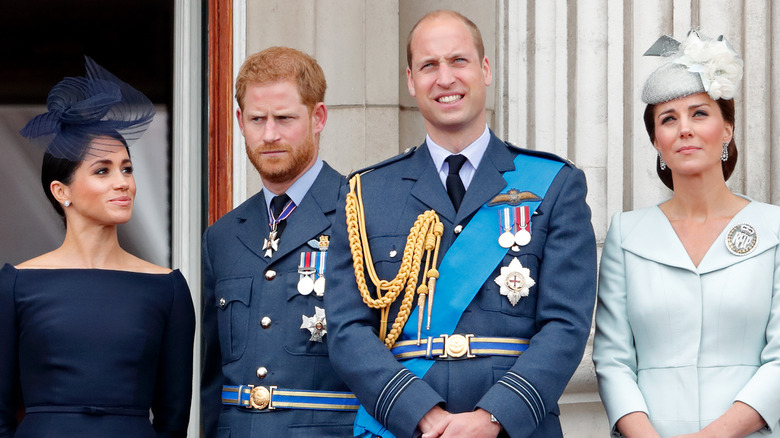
[(682, 343)]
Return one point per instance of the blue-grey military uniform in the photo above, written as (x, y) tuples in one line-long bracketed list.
[(520, 391), (252, 318)]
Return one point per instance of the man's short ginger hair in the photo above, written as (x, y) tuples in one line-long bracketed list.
[(476, 35), (283, 64)]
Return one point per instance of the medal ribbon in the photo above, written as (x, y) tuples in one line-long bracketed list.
[(313, 263), (323, 255), (506, 220), (306, 263), (454, 290), (286, 211), (523, 212)]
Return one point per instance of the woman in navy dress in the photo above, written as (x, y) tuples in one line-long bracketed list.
[(94, 341)]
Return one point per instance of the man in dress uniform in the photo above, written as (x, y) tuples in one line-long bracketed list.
[(472, 323), (266, 371)]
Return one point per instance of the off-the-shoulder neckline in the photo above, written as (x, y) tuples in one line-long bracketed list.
[(90, 270)]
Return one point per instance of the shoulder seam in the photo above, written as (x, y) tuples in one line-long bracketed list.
[(406, 153)]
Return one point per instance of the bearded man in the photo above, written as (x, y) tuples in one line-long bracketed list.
[(266, 370)]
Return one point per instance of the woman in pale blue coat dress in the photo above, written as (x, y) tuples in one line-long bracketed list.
[(688, 317)]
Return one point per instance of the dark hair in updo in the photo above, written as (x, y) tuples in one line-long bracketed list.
[(62, 170), (727, 109)]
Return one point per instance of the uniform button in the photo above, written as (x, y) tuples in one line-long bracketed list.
[(458, 229), (222, 302), (265, 322), (270, 274), (393, 253), (262, 372)]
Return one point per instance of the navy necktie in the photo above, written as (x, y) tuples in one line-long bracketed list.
[(455, 188)]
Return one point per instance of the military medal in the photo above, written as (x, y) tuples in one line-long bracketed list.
[(306, 272), (271, 243), (319, 283), (515, 227), (506, 223), (315, 324), (741, 240), (514, 281), (319, 286), (523, 234), (311, 273), (305, 285)]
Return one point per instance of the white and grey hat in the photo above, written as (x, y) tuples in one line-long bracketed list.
[(696, 65)]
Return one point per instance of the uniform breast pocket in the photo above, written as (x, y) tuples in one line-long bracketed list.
[(513, 287), (304, 336), (386, 253), (233, 296)]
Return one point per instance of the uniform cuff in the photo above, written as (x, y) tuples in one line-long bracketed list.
[(515, 420), (404, 402)]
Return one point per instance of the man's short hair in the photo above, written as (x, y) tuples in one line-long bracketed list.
[(283, 64), (476, 35)]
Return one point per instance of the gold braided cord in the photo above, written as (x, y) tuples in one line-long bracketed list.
[(424, 238)]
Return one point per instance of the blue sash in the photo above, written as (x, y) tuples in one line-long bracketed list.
[(531, 173)]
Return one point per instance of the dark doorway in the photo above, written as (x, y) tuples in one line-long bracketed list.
[(43, 41)]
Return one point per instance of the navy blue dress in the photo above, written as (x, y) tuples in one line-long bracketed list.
[(90, 352)]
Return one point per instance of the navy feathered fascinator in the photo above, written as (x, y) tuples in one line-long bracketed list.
[(83, 109)]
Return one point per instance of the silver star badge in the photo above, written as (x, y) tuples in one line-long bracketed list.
[(514, 281), (316, 324)]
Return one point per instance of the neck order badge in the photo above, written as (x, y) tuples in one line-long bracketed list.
[(281, 208)]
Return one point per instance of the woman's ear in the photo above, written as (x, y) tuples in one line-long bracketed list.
[(60, 191), (729, 132)]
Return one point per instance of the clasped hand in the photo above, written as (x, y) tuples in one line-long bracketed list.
[(440, 423)]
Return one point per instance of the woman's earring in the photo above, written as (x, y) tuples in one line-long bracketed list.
[(67, 203), (724, 156), (661, 162)]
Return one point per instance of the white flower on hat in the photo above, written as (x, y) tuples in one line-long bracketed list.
[(718, 65)]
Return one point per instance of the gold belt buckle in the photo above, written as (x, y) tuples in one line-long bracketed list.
[(457, 346), (260, 397)]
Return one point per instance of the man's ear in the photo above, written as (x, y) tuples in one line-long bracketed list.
[(240, 120), (410, 82), (486, 71), (319, 115)]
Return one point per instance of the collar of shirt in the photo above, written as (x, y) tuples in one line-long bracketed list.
[(299, 188), (473, 153)]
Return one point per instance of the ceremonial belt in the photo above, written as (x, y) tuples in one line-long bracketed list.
[(88, 410), (261, 398), (456, 347)]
